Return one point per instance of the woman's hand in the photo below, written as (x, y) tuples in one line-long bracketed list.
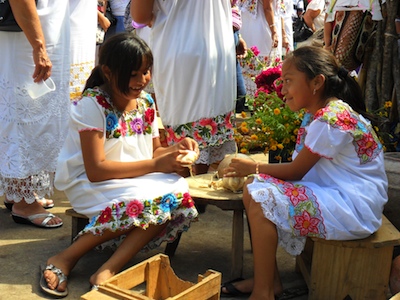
[(240, 167), (188, 144), (42, 63), (241, 48), (103, 21)]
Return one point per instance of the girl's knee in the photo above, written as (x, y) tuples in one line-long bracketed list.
[(246, 196)]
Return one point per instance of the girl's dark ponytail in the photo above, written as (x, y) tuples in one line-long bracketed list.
[(95, 78)]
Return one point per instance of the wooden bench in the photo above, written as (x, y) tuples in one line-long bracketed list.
[(356, 269)]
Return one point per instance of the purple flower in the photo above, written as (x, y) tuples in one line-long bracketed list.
[(137, 125)]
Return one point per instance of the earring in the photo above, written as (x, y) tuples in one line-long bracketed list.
[(314, 91)]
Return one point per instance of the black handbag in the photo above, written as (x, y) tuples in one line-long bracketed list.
[(7, 20), (301, 31), (109, 15)]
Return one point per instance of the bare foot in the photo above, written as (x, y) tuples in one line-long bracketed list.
[(100, 276), (45, 203)]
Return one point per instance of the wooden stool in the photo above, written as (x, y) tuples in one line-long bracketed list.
[(356, 269), (78, 222)]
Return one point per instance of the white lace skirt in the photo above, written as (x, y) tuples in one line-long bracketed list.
[(32, 131)]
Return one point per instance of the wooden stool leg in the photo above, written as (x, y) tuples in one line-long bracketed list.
[(237, 244), (77, 224), (170, 248)]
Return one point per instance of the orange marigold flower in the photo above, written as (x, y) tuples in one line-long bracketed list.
[(277, 111), (388, 104)]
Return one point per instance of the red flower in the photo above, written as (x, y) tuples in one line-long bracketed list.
[(105, 216), (299, 135), (102, 101), (367, 145), (149, 115), (255, 50), (187, 200), (267, 78), (209, 123), (296, 194), (306, 224), (134, 208), (346, 121), (228, 121)]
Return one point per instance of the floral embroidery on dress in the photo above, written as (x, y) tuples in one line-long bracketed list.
[(125, 214), (248, 5), (339, 114), (207, 132), (128, 123), (304, 217)]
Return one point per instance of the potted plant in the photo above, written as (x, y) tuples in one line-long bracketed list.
[(272, 127)]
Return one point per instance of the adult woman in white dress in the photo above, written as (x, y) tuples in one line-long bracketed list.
[(32, 130), (260, 28), (194, 72)]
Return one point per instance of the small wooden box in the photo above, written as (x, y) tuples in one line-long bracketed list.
[(356, 269), (158, 281)]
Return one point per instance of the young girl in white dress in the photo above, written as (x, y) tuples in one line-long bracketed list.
[(113, 169), (335, 188)]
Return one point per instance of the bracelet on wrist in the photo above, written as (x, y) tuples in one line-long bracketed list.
[(257, 168)]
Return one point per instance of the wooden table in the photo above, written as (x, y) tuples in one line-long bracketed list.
[(225, 200)]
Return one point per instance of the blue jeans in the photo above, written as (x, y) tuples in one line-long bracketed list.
[(241, 88)]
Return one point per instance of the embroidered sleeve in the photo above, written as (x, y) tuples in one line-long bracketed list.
[(86, 115), (337, 126), (325, 140)]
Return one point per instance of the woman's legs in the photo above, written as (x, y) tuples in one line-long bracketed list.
[(24, 209), (135, 240)]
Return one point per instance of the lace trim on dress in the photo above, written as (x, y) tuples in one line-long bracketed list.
[(211, 155), (17, 189), (33, 131)]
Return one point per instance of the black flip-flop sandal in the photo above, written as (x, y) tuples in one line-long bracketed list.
[(232, 290)]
